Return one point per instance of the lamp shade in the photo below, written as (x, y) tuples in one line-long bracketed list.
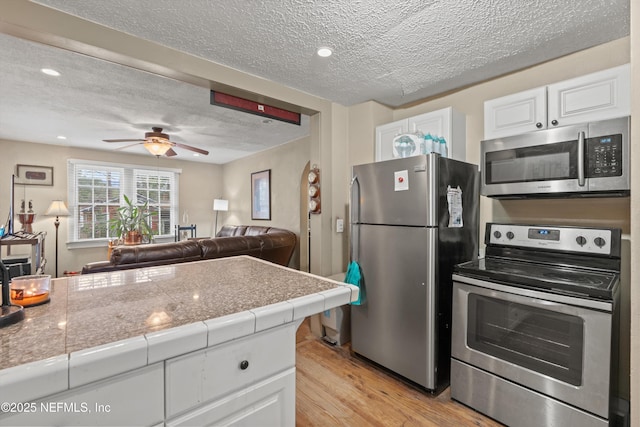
[(57, 208), (157, 148), (220, 205)]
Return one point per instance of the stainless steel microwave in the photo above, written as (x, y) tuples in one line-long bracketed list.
[(588, 160)]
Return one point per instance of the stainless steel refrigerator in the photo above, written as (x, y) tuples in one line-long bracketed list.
[(412, 220)]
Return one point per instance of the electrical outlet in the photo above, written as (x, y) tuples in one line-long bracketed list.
[(339, 225)]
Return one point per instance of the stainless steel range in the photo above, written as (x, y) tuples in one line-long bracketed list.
[(535, 323)]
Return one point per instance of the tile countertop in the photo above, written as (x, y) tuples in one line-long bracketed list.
[(97, 309)]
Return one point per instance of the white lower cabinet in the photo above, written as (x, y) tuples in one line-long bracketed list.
[(133, 398), (269, 403), (248, 381), (236, 383)]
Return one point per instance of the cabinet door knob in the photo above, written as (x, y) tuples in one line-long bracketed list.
[(244, 364), (538, 125), (554, 122)]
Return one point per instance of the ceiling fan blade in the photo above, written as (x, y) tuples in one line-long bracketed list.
[(122, 140), (188, 147), (128, 146), (170, 153)]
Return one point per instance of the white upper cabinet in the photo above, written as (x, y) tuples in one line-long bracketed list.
[(518, 113), (597, 96), (384, 138), (446, 123)]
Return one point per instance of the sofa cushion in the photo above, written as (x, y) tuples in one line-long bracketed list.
[(156, 254), (231, 230), (255, 230), (229, 246)]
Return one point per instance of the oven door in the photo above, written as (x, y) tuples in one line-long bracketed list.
[(549, 343), (550, 161)]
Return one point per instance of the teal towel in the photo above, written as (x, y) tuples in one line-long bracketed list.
[(354, 277)]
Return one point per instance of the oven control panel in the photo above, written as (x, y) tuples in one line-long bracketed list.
[(573, 239)]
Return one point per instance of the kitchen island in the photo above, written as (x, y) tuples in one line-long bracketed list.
[(207, 342)]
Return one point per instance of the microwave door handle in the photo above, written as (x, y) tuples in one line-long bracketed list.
[(581, 179)]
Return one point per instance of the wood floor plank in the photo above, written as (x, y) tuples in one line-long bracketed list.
[(335, 388)]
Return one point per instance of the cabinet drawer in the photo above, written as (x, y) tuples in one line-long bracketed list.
[(208, 374), (271, 402)]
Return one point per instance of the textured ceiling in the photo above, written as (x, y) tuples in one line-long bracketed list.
[(391, 52), (94, 100)]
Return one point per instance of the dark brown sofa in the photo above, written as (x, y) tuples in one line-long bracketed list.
[(268, 243)]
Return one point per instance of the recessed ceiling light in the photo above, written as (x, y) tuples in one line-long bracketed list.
[(50, 72), (196, 155), (324, 52), (61, 137)]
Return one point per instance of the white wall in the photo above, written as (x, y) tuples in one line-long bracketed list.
[(199, 184), (287, 163)]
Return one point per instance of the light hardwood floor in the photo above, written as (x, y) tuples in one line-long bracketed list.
[(333, 388)]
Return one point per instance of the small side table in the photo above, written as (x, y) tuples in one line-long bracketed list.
[(36, 240)]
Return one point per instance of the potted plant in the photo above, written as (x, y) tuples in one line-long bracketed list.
[(132, 223)]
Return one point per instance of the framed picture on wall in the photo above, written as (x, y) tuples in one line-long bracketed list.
[(261, 194), (34, 175)]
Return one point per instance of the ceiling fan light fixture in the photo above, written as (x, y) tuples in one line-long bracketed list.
[(157, 148)]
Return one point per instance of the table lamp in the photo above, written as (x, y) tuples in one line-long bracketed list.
[(219, 205), (57, 209)]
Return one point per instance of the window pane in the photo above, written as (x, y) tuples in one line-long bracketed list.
[(165, 221), (113, 179), (100, 195), (85, 195), (84, 177), (100, 178), (85, 222), (165, 197), (114, 195), (100, 224), (141, 182)]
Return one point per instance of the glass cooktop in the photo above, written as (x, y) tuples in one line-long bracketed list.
[(558, 279)]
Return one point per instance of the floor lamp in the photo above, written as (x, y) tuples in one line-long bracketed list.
[(219, 205), (57, 209)]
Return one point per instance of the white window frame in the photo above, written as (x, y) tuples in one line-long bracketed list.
[(129, 174)]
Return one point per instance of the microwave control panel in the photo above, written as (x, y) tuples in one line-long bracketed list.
[(604, 156)]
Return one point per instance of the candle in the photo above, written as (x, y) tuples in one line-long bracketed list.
[(30, 290), (26, 297)]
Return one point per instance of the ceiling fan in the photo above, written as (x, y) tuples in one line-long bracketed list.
[(158, 143)]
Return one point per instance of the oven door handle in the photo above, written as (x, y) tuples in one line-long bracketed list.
[(581, 177)]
